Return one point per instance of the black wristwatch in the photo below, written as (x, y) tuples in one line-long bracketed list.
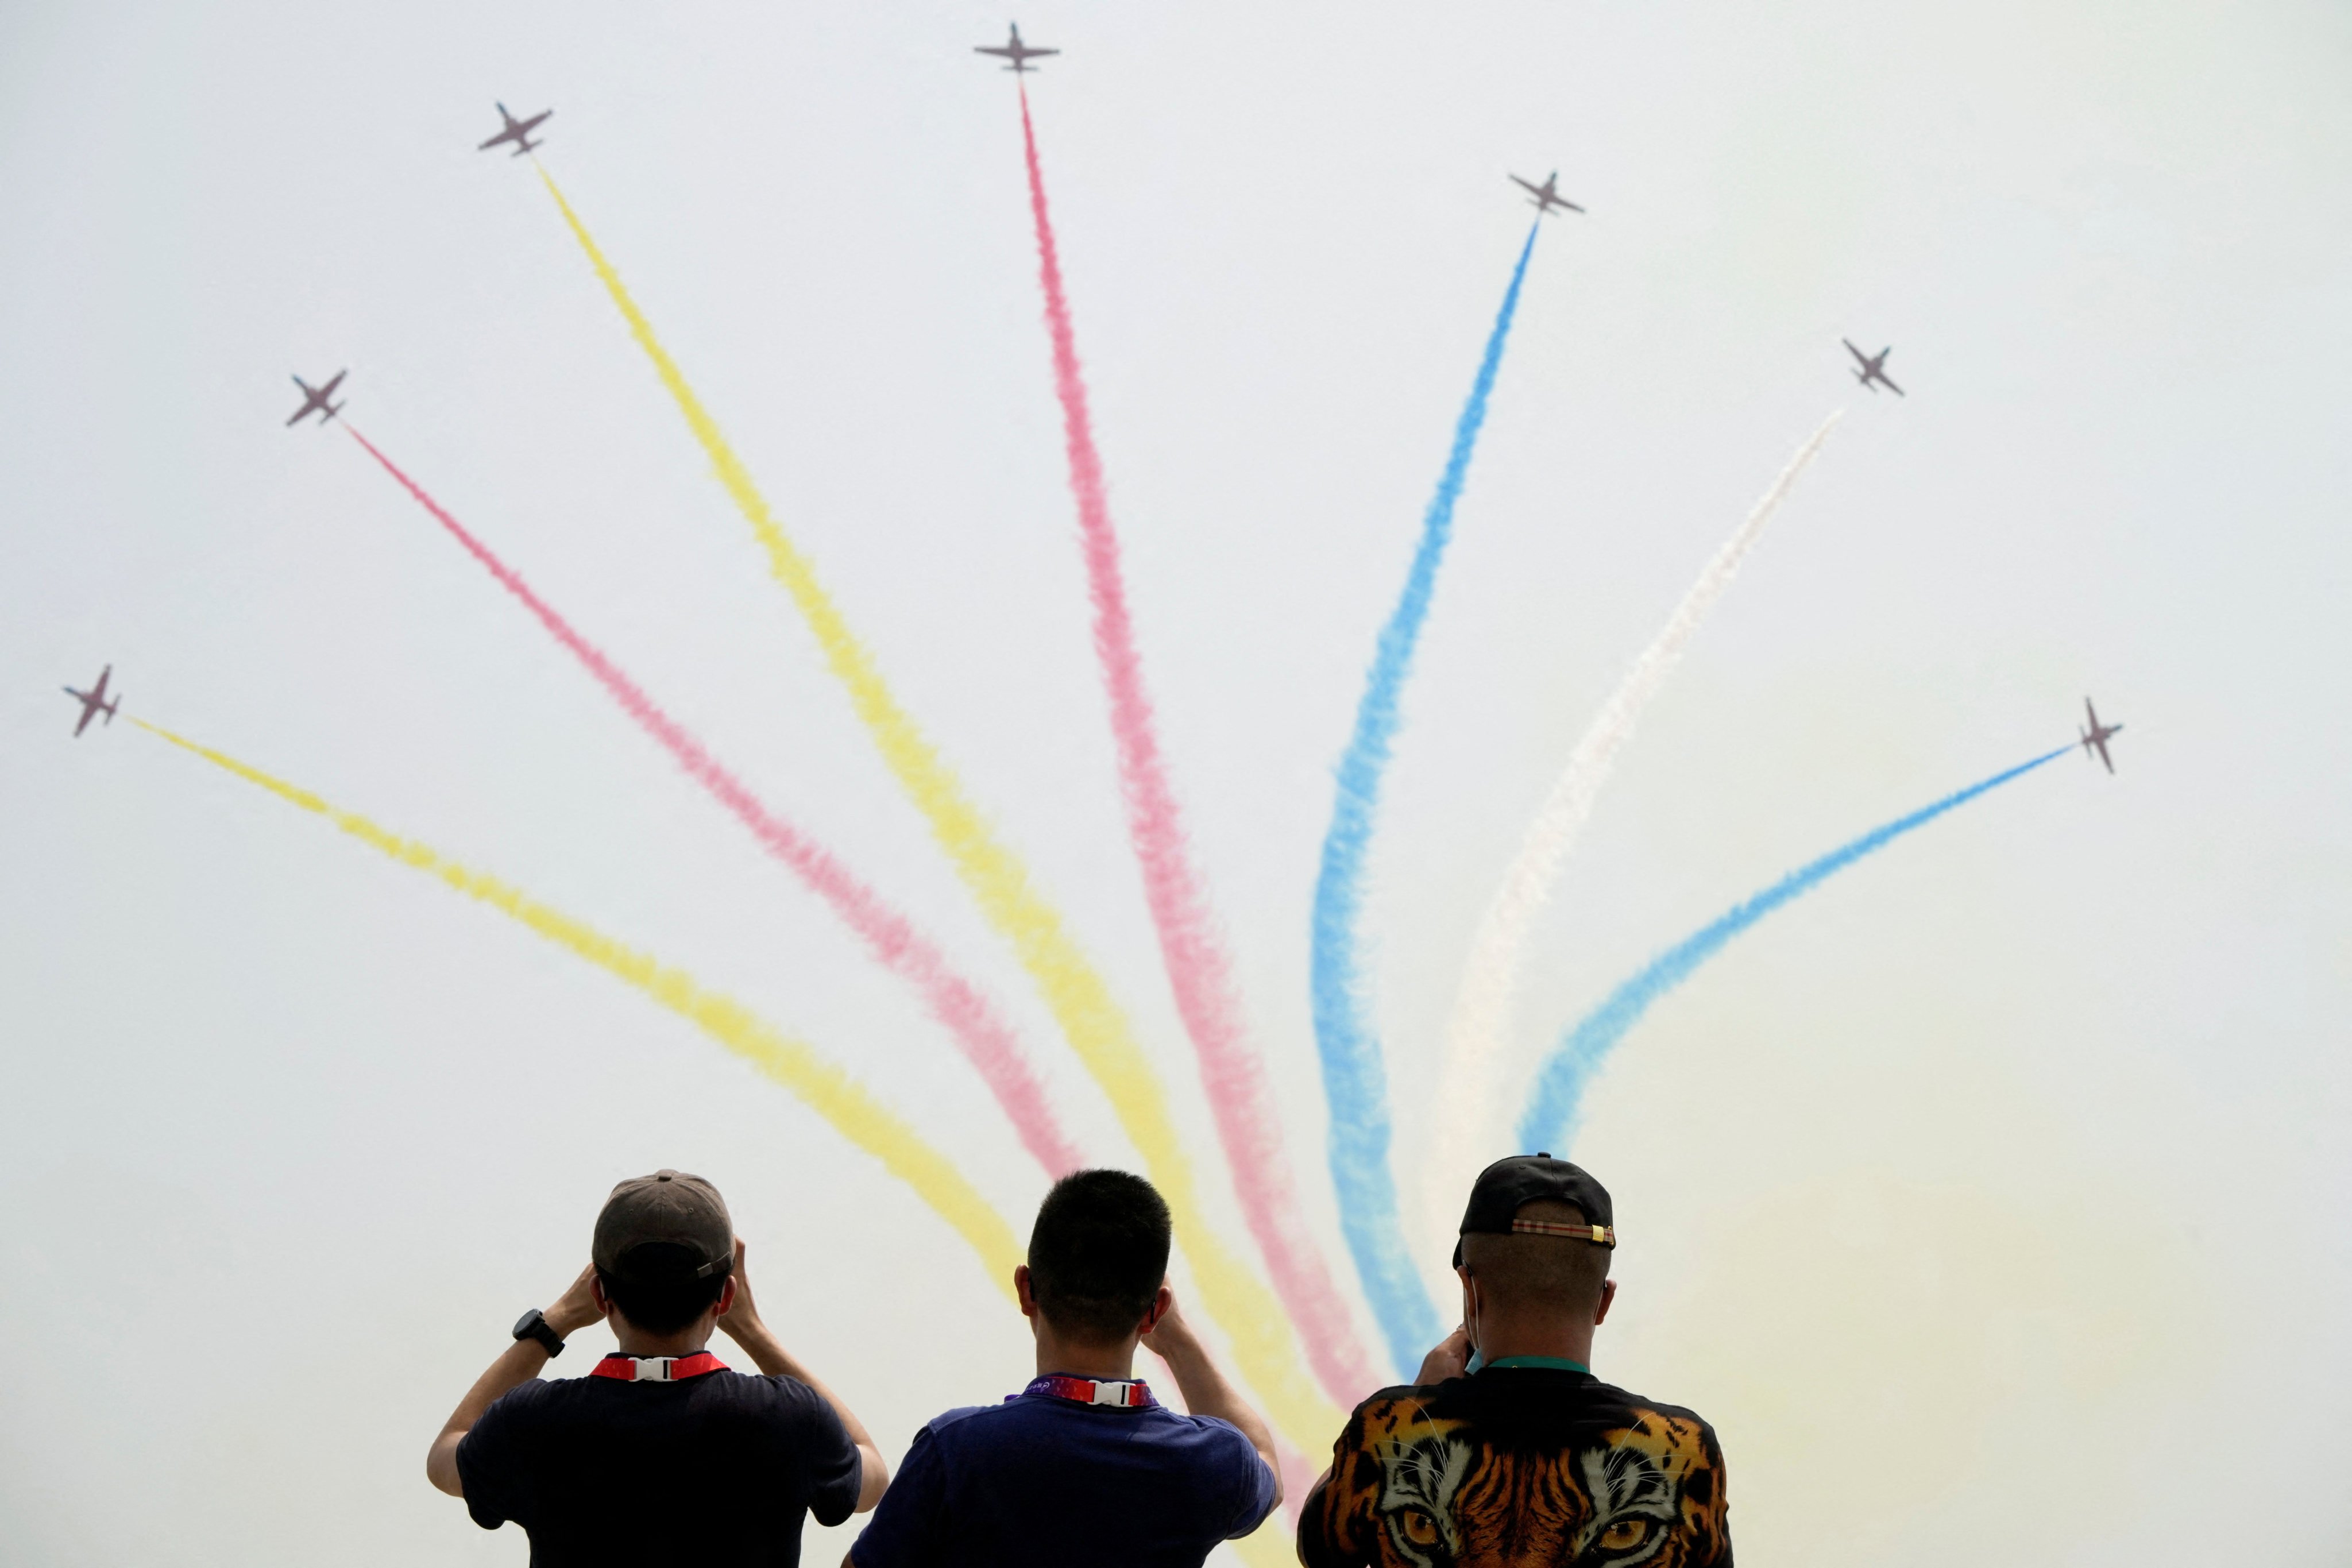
[(534, 1325)]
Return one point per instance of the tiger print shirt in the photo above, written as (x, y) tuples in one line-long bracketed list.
[(1519, 1466)]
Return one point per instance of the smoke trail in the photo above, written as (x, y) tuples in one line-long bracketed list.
[(1468, 1085), (820, 1084), (1354, 1079), (986, 1040), (1550, 1116), (1081, 1003), (1233, 1072)]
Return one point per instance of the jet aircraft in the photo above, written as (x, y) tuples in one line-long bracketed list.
[(1019, 53), (1545, 197), (93, 701), (314, 399), (1873, 368), (2095, 738), (517, 131)]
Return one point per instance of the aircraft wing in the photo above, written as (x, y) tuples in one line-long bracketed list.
[(329, 390), (1527, 185), (299, 413), (1854, 351), (997, 49), (494, 140), (1888, 383)]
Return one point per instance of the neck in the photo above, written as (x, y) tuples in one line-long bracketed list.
[(1104, 1363), (1500, 1336), (634, 1340)]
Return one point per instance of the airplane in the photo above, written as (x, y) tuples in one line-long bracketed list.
[(2096, 737), (1873, 368), (93, 701), (314, 399), (1017, 52), (1546, 197), (517, 131)]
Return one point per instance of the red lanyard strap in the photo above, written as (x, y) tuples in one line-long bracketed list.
[(1130, 1396), (656, 1368)]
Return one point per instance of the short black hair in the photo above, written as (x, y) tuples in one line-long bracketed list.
[(1551, 1271), (1098, 1254), (656, 1290)]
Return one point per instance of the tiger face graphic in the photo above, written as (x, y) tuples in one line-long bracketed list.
[(1413, 1489)]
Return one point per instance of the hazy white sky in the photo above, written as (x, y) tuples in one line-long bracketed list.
[(1987, 1200)]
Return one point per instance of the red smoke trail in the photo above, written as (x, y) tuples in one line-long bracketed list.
[(987, 1041), (1232, 1072)]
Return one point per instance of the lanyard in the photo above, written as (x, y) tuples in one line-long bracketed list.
[(656, 1368), (1131, 1396)]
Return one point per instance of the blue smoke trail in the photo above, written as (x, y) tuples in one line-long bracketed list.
[(1560, 1086), (1355, 1082)]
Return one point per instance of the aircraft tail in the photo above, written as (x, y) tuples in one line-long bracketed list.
[(111, 708)]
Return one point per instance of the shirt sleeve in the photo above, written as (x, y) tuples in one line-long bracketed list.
[(490, 1458), (909, 1528), (1253, 1487), (1718, 1512), (836, 1470), (1330, 1536)]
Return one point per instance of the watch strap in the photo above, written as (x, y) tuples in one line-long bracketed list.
[(534, 1325)]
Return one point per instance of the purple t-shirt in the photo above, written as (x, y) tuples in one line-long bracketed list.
[(1047, 1482)]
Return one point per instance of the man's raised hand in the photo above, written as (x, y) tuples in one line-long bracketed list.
[(576, 1309), (1450, 1358), (741, 1318)]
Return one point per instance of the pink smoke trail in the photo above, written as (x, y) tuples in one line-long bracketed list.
[(1232, 1072), (986, 1040)]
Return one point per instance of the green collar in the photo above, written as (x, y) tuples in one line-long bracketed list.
[(1555, 1362)]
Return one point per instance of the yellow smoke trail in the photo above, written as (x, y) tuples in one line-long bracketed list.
[(1080, 1001), (822, 1085)]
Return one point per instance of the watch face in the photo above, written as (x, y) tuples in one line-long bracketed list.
[(528, 1323)]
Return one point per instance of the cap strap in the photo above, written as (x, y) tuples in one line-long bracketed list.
[(1600, 1234)]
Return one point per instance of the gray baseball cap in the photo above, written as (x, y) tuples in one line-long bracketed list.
[(681, 1217)]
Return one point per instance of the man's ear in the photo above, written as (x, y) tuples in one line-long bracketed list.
[(1160, 1305), (1021, 1289), (1607, 1295), (596, 1294), (726, 1297)]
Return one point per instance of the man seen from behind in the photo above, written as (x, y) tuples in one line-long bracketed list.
[(1084, 1467), (1508, 1450), (660, 1455)]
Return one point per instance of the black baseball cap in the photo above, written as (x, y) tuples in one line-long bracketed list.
[(666, 1227), (1503, 1187)]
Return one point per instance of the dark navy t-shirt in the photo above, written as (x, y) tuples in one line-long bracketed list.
[(1053, 1483), (715, 1471)]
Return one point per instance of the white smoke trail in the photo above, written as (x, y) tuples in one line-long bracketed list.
[(1470, 1089)]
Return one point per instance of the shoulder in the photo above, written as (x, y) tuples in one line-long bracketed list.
[(767, 1402), (1674, 1423), (523, 1404), (972, 1421), (1401, 1404)]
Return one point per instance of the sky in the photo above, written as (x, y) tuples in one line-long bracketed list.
[(1976, 1197)]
